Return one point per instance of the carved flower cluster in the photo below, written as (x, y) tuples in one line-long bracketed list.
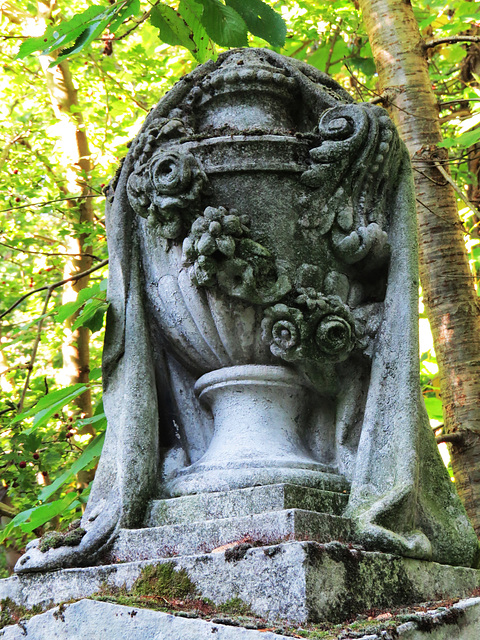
[(213, 233), (160, 131), (320, 327), (220, 251)]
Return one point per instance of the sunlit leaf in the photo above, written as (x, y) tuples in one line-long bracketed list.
[(261, 20), (93, 451), (223, 24)]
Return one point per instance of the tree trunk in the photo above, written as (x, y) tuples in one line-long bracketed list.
[(450, 299), (77, 160)]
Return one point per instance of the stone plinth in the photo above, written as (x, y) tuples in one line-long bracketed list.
[(295, 581)]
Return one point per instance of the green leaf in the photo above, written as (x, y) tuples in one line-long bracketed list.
[(95, 323), (132, 8), (434, 408), (93, 451), (366, 65), (51, 404), (59, 35), (100, 420), (465, 140), (173, 27), (84, 296), (261, 20), (223, 24), (92, 315), (45, 512), (191, 11), (20, 518), (81, 30)]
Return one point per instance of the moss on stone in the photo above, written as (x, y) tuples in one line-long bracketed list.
[(74, 537), (11, 613), (55, 539), (162, 580), (235, 607), (51, 540)]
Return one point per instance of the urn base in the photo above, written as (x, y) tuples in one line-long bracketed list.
[(260, 415)]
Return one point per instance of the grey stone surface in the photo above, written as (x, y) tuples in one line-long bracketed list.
[(105, 621), (296, 581), (262, 326), (243, 502), (459, 622), (197, 537)]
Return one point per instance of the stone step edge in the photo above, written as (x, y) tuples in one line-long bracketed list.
[(170, 541), (51, 588), (201, 500), (339, 519)]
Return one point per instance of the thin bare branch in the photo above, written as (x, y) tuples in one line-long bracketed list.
[(454, 438), (41, 253), (333, 42), (34, 350), (456, 188), (53, 286), (450, 40), (41, 204)]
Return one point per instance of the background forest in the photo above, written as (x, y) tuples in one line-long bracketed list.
[(64, 129)]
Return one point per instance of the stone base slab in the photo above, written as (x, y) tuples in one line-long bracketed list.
[(296, 581), (106, 621)]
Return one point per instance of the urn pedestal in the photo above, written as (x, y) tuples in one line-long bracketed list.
[(259, 416)]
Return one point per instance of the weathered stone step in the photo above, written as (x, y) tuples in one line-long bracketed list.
[(244, 502), (203, 537), (296, 581)]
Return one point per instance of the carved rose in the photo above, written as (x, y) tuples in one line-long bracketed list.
[(282, 329), (169, 183), (319, 328), (334, 335)]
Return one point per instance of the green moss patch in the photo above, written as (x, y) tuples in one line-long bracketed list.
[(69, 538), (162, 580), (11, 613)]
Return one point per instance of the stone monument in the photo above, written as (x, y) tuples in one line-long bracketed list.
[(261, 355)]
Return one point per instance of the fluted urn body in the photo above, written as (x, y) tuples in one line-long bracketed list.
[(262, 233)]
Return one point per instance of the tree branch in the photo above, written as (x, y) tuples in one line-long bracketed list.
[(454, 438), (450, 40), (456, 188), (334, 39), (6, 510), (53, 286), (40, 204), (34, 350), (41, 253)]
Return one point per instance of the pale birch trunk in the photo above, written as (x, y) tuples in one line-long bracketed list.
[(450, 299)]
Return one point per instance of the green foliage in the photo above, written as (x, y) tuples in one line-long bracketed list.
[(11, 613), (236, 607), (186, 26), (81, 30)]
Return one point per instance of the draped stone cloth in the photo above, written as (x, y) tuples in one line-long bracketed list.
[(401, 499)]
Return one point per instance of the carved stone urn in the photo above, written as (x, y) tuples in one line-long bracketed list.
[(262, 327), (263, 233)]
